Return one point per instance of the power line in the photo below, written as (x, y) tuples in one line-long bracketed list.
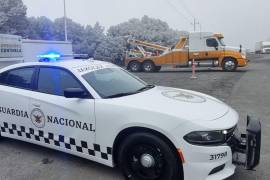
[(179, 12), (194, 20), (185, 8)]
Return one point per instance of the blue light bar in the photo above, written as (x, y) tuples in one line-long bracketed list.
[(49, 57)]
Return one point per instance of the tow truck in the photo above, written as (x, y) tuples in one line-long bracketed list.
[(99, 111), (206, 48)]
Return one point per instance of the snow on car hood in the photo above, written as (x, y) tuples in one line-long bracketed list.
[(185, 104)]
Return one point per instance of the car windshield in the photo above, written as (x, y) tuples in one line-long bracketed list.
[(115, 82), (221, 41)]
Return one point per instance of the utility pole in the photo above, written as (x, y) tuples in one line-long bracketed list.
[(65, 20), (195, 23)]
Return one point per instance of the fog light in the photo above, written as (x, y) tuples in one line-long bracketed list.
[(217, 169)]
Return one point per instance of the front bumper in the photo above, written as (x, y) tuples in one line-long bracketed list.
[(242, 62), (240, 149), (246, 147)]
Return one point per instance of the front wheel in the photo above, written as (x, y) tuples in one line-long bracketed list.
[(229, 64), (144, 156)]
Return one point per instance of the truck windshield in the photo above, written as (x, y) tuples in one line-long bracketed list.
[(115, 82), (221, 41)]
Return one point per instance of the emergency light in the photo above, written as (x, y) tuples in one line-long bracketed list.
[(49, 57)]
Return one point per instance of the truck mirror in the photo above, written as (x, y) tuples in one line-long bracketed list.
[(216, 45)]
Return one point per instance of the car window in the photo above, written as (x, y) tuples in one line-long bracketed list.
[(111, 81), (212, 42), (20, 78), (2, 78), (55, 81)]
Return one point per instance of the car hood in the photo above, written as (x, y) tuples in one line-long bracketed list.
[(180, 103)]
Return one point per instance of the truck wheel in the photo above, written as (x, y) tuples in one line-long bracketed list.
[(135, 66), (148, 66), (229, 64), (158, 68), (144, 156)]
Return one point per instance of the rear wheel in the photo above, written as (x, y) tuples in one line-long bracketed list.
[(148, 66), (229, 64), (135, 66), (144, 156)]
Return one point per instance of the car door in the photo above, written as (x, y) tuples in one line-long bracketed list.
[(67, 124), (15, 90)]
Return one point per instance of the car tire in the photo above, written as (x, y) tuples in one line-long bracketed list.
[(229, 64), (135, 66), (143, 156), (158, 68), (148, 66)]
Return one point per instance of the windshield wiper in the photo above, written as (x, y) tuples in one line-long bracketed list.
[(119, 95), (148, 86)]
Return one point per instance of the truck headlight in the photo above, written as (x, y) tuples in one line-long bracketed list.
[(206, 137)]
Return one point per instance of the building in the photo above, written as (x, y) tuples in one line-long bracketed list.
[(14, 49), (262, 47)]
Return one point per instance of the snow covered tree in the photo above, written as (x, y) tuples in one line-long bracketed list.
[(13, 17), (94, 36), (147, 29), (112, 49), (40, 28), (76, 34)]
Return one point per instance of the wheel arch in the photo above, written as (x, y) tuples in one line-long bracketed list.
[(149, 60), (130, 130)]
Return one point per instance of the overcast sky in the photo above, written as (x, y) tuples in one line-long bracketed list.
[(241, 21)]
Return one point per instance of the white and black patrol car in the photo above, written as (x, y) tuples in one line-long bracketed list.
[(101, 112)]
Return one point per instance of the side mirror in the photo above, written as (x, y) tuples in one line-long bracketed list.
[(216, 45), (240, 50), (75, 93)]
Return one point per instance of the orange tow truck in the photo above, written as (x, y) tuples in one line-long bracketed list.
[(206, 48)]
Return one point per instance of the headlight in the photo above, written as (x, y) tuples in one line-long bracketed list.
[(206, 137), (244, 56)]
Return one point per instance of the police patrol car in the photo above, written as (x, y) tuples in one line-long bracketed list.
[(101, 112)]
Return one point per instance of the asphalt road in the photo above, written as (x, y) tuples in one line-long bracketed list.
[(246, 90)]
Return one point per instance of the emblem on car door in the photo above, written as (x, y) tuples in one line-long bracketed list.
[(37, 118)]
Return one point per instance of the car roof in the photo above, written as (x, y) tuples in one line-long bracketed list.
[(79, 65)]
